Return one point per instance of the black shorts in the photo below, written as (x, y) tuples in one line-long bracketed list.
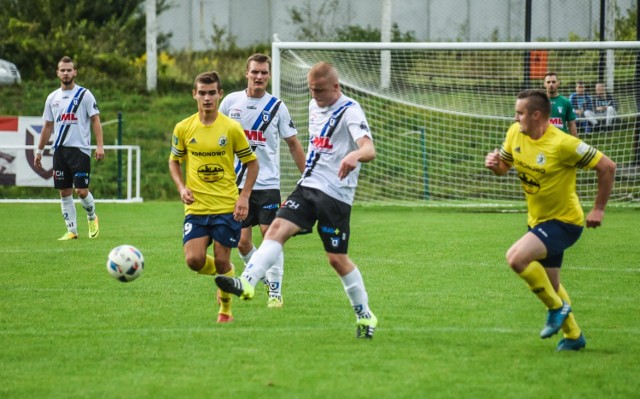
[(557, 236), (71, 168), (263, 205), (305, 206)]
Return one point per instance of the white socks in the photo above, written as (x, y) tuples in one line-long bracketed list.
[(89, 206), (69, 213), (354, 287), (264, 257), (274, 277), (246, 258)]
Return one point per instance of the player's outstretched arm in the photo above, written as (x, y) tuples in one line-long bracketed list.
[(365, 153), (606, 170), (573, 128), (176, 175), (241, 209), (97, 132), (297, 153), (45, 135)]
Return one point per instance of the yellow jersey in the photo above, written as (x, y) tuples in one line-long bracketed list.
[(547, 171), (209, 154)]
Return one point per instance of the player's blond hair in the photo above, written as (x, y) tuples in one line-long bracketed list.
[(325, 70)]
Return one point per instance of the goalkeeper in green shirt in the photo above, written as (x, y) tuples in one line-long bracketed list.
[(562, 115)]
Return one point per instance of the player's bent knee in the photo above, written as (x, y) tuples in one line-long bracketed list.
[(195, 263), (514, 263), (245, 246)]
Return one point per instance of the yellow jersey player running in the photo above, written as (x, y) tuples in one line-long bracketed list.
[(206, 143), (546, 160)]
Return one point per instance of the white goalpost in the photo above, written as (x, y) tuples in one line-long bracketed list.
[(436, 109)]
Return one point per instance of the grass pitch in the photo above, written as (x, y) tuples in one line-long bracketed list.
[(454, 320)]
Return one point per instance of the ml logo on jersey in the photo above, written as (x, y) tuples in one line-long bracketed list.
[(255, 137), (322, 144), (67, 117), (556, 121)]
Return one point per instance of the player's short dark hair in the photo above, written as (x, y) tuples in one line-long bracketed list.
[(259, 58), (537, 100), (67, 60), (207, 78), (550, 73)]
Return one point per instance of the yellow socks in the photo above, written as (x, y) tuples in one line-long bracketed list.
[(225, 297), (539, 283), (209, 267), (569, 327)]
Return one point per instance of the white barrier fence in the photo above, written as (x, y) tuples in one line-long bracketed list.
[(19, 160)]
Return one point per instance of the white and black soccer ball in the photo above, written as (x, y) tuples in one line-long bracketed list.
[(125, 263)]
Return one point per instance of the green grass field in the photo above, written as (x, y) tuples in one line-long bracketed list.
[(454, 320)]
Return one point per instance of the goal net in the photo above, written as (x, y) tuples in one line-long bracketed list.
[(436, 109)]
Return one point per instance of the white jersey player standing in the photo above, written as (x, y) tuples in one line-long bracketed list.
[(70, 113), (339, 141), (265, 120)]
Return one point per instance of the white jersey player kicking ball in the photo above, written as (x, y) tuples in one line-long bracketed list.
[(340, 140)]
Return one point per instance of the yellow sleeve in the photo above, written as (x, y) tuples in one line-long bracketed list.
[(506, 150), (581, 154), (177, 144)]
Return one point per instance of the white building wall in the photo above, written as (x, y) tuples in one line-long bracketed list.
[(252, 22)]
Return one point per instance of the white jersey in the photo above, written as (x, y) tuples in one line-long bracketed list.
[(71, 112), (265, 120), (333, 132)]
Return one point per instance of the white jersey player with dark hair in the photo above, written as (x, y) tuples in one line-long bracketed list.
[(339, 141), (70, 113), (265, 120)]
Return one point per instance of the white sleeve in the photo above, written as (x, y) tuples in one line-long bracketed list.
[(286, 127), (224, 106), (357, 123), (47, 115), (90, 104)]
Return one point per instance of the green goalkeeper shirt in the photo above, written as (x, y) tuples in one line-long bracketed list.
[(561, 113)]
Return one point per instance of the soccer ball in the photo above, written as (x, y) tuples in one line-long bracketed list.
[(125, 263)]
